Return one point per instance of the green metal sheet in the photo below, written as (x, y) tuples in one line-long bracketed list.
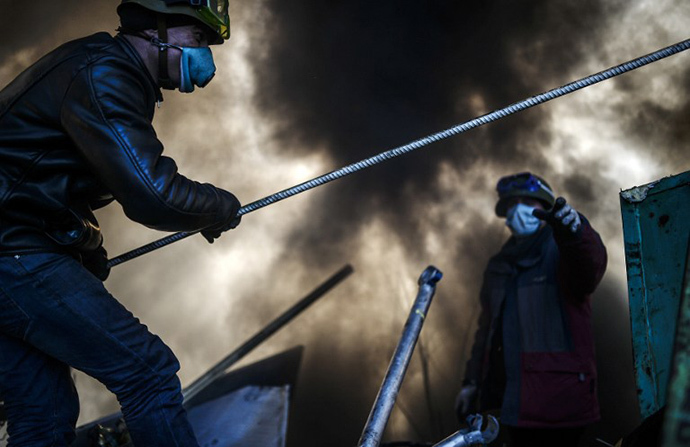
[(656, 221), (677, 417)]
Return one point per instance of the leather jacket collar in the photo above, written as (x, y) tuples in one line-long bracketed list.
[(132, 52)]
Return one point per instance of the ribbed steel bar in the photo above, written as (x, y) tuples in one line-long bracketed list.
[(442, 135), (383, 405), (219, 369)]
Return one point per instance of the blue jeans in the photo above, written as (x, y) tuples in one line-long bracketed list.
[(55, 314)]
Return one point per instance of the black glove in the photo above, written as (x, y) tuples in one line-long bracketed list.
[(96, 262), (465, 401), (562, 217), (232, 221), (211, 234)]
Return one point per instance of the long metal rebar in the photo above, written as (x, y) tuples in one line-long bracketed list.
[(383, 405), (442, 135)]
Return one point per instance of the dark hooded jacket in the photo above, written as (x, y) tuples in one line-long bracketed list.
[(533, 354), (76, 134)]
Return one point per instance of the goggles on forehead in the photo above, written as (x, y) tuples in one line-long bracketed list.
[(521, 182), (215, 13)]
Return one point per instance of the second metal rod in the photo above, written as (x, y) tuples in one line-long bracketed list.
[(378, 418)]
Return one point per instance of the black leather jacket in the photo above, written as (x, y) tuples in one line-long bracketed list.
[(76, 133)]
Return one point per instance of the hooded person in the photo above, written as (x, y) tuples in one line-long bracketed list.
[(533, 355), (75, 135)]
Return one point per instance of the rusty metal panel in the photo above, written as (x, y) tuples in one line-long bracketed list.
[(656, 220)]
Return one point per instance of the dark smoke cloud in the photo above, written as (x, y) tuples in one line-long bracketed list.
[(42, 25), (656, 117), (661, 128), (351, 79), (360, 78)]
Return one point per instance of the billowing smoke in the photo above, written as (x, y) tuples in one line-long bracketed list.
[(307, 87), (363, 77)]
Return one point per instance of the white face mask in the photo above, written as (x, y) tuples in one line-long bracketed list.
[(520, 220)]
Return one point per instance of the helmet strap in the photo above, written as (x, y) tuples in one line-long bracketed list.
[(163, 76)]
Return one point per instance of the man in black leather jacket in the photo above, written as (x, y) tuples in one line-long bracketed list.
[(76, 134)]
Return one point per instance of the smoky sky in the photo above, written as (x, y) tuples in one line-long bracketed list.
[(15, 20), (348, 79), (44, 23), (662, 127), (362, 77)]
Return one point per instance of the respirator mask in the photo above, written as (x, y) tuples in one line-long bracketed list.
[(520, 220), (196, 65)]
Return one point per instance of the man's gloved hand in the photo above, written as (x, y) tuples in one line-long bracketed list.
[(561, 217), (96, 262), (213, 233), (232, 205), (464, 401)]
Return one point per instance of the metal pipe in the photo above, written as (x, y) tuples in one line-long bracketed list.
[(442, 135), (459, 439), (378, 418), (219, 369), (474, 435)]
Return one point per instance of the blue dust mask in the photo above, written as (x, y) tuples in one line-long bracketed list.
[(196, 68), (520, 220), (196, 65)]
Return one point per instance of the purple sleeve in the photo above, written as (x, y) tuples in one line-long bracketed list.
[(583, 259)]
